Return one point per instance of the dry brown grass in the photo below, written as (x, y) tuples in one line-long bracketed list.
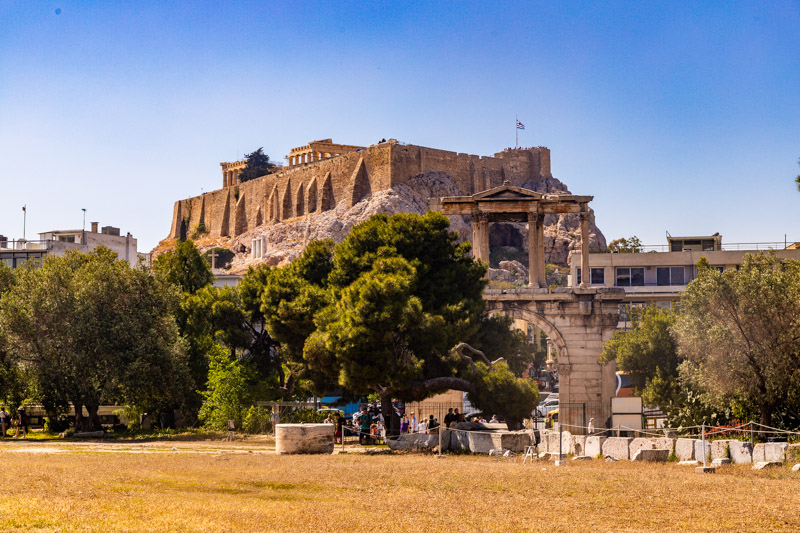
[(211, 487)]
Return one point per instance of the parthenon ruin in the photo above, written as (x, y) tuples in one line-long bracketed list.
[(317, 151), (322, 174)]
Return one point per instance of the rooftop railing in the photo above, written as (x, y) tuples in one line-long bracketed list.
[(23, 245), (726, 247)]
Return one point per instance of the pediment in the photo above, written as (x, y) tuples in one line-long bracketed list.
[(507, 192)]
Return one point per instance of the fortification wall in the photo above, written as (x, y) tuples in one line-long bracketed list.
[(321, 185)]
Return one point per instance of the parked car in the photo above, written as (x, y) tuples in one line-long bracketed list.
[(549, 404)]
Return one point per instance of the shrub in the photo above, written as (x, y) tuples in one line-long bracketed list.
[(256, 420)]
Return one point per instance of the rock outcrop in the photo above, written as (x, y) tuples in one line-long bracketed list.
[(285, 240)]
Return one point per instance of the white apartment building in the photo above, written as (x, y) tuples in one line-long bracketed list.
[(658, 275), (57, 242)]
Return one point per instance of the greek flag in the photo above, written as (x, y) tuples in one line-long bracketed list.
[(520, 125)]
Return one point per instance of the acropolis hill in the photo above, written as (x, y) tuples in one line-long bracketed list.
[(327, 187)]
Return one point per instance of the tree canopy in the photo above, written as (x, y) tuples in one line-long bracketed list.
[(622, 245), (739, 332), (184, 267), (403, 293), (648, 353), (258, 164), (90, 329)]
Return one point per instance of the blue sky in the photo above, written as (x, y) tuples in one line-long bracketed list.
[(677, 116)]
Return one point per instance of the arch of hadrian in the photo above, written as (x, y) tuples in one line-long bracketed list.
[(577, 320)]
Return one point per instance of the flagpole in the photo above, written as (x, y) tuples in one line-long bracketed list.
[(516, 132)]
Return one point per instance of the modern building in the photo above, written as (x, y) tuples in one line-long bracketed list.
[(15, 252), (659, 274)]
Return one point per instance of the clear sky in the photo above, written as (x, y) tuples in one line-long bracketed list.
[(677, 116)]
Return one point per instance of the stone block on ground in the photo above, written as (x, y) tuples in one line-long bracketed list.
[(698, 450), (566, 443), (90, 434), (758, 453), (775, 451), (545, 441), (617, 447), (303, 438), (704, 469), (579, 445), (688, 463), (480, 442), (594, 445), (414, 441), (640, 443), (664, 443), (651, 455), (792, 453), (581, 458), (719, 449), (719, 461), (553, 442), (516, 441), (459, 441), (761, 465), (684, 449), (796, 468), (741, 452)]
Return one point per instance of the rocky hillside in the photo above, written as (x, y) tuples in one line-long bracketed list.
[(285, 240)]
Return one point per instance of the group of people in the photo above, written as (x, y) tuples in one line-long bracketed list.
[(20, 421), (370, 426)]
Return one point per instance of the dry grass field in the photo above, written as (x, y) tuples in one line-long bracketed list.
[(215, 486)]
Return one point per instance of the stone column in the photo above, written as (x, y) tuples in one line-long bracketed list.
[(586, 275), (533, 270), (480, 237), (540, 248)]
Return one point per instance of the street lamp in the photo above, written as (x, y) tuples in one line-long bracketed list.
[(84, 218)]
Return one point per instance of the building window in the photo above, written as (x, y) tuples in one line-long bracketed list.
[(598, 276), (670, 276), (719, 269), (630, 277)]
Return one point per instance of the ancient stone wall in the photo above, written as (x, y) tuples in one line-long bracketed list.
[(321, 185)]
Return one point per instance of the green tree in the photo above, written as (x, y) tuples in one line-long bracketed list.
[(739, 332), (630, 245), (229, 391), (402, 294), (184, 267), (648, 353), (232, 317), (90, 329), (258, 164), (13, 382)]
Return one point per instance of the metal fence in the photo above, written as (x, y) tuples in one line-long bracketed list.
[(575, 416)]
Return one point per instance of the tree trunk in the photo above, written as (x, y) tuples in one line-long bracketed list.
[(80, 420), (766, 415), (94, 419), (387, 410)]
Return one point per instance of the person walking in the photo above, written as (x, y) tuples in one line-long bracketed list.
[(413, 427), (22, 423), (4, 419), (590, 428), (366, 421)]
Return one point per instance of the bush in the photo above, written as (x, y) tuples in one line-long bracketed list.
[(256, 420)]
